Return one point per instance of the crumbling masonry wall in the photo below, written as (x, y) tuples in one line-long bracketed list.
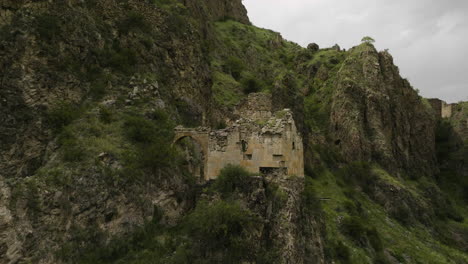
[(264, 143), (442, 109)]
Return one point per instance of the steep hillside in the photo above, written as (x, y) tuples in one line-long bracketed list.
[(91, 92)]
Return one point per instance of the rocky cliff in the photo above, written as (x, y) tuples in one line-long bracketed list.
[(377, 116), (123, 53), (92, 90)]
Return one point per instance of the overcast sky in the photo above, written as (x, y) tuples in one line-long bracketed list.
[(427, 38)]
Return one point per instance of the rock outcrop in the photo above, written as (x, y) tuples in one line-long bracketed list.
[(217, 10), (376, 115), (49, 62)]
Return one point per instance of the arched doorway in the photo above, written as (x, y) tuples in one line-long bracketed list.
[(194, 156)]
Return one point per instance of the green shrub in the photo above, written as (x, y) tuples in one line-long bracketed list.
[(374, 239), (5, 33), (177, 19), (157, 155), (338, 251), (226, 90), (88, 245), (139, 129), (133, 22), (286, 91), (315, 115), (234, 66), (352, 209), (250, 84), (190, 115), (328, 155), (97, 89), (380, 258), (71, 149), (359, 174), (444, 145), (221, 125), (105, 115), (222, 227), (232, 178), (277, 196), (153, 140), (402, 213), (354, 228), (309, 197), (118, 58), (62, 114), (48, 26)]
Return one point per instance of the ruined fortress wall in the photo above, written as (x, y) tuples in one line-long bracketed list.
[(256, 149), (441, 108), (260, 142), (446, 111), (224, 148)]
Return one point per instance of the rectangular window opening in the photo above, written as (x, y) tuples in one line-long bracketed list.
[(277, 157)]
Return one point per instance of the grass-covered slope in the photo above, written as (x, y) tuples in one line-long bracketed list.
[(247, 59), (361, 228)]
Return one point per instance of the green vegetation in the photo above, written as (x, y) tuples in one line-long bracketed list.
[(63, 114), (338, 251), (237, 74), (358, 174), (118, 58), (105, 115), (221, 226), (71, 148), (213, 232), (309, 197), (451, 151), (226, 90), (153, 140), (367, 40), (233, 66), (48, 26), (98, 88), (133, 22), (232, 178), (250, 84), (359, 229)]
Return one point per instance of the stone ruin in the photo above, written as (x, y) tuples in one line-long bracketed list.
[(441, 108), (260, 141)]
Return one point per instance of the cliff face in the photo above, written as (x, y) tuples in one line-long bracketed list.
[(61, 59), (219, 10), (377, 116), (90, 93), (459, 118), (40, 35)]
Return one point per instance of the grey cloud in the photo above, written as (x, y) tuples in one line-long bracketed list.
[(428, 38)]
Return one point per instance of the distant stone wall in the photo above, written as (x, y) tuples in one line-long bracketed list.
[(457, 114), (441, 108), (446, 110)]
